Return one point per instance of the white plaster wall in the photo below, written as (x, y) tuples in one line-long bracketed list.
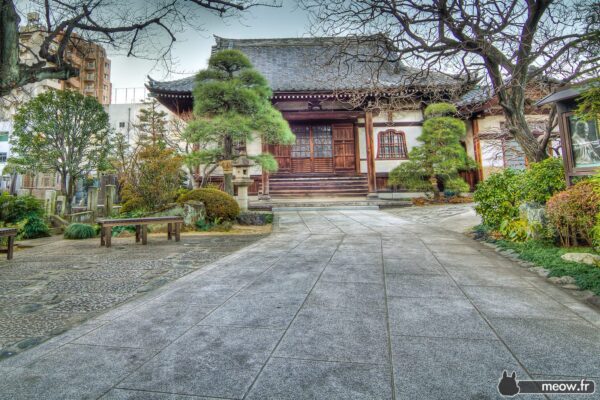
[(469, 140), (5, 126)]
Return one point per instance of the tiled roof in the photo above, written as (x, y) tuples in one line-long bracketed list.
[(320, 64), (477, 95)]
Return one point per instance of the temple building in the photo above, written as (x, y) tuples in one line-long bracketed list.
[(355, 116)]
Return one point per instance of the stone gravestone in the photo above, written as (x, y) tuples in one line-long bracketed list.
[(50, 202), (109, 199), (92, 199), (61, 202)]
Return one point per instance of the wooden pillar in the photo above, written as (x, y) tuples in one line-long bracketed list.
[(477, 149), (371, 173)]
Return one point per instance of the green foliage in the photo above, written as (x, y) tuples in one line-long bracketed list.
[(155, 181), (64, 132), (14, 209), (254, 218), (498, 198), (515, 230), (588, 107), (152, 127), (547, 255), (440, 110), (457, 185), (78, 231), (572, 213), (33, 227), (218, 204), (231, 105), (542, 180), (440, 157), (267, 162)]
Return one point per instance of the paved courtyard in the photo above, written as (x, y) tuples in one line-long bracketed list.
[(333, 305)]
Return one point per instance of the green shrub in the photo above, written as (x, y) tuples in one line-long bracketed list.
[(33, 227), (498, 198), (456, 186), (254, 218), (79, 231), (515, 230), (218, 204), (572, 213), (18, 208), (440, 110), (542, 180)]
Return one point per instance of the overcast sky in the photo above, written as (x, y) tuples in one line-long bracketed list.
[(192, 49)]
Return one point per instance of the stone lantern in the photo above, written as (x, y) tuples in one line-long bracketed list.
[(241, 178)]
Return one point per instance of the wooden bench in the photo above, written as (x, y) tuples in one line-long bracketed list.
[(10, 233), (141, 227)]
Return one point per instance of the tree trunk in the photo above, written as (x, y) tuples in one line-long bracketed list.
[(9, 47), (227, 173), (69, 196), (434, 187), (512, 101)]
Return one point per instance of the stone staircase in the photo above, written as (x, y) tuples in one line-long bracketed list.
[(322, 186)]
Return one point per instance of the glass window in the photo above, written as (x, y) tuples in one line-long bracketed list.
[(585, 142), (322, 146), (3, 157), (392, 145), (4, 136), (301, 149)]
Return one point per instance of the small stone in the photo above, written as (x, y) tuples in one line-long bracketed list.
[(583, 258), (570, 286), (543, 272), (562, 280)]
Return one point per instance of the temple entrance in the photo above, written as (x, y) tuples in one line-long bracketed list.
[(319, 149)]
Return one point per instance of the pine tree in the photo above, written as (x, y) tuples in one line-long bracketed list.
[(439, 158), (231, 105), (152, 128)]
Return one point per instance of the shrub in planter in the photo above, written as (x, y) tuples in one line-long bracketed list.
[(79, 231), (572, 213), (498, 198), (218, 204)]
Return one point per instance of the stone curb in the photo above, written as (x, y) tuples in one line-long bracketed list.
[(564, 282)]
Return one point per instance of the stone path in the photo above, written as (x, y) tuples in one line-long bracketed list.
[(334, 305), (58, 284)]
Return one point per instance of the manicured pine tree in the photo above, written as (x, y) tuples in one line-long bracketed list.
[(439, 157), (232, 105)]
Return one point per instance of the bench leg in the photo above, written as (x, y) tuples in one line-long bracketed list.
[(144, 234), (170, 230), (138, 231), (107, 235), (11, 245), (177, 231), (102, 242)]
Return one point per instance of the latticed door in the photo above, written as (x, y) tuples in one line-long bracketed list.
[(313, 150)]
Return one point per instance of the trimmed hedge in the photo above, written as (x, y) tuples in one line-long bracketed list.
[(219, 205), (572, 213)]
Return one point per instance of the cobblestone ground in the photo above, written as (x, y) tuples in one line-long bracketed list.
[(48, 289)]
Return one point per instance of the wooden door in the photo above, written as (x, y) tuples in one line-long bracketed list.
[(344, 153), (281, 153), (313, 150)]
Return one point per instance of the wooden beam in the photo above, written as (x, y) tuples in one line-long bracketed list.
[(371, 173), (477, 148)]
